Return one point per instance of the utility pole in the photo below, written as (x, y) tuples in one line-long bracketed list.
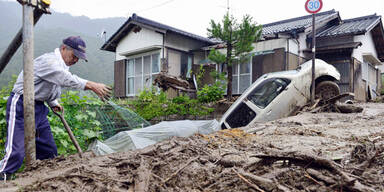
[(28, 84)]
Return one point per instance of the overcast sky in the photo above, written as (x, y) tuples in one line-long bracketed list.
[(194, 15)]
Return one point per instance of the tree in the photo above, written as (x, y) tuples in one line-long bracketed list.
[(237, 38)]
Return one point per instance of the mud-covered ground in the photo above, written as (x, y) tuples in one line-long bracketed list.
[(307, 152)]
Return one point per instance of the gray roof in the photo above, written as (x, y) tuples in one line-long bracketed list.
[(355, 26), (112, 42), (298, 23)]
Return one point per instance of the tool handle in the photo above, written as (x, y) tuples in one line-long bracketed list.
[(69, 131), (59, 114)]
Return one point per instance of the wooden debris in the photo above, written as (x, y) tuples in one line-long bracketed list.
[(166, 81), (143, 176), (179, 170), (248, 182), (346, 181), (331, 105)]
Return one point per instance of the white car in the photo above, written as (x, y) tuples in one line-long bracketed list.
[(279, 94)]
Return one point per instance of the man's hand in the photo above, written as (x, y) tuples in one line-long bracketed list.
[(101, 90), (57, 108)]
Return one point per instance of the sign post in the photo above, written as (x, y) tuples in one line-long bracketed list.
[(312, 7)]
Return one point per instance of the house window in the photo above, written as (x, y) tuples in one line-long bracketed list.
[(141, 71), (189, 67), (130, 76), (241, 76), (185, 65)]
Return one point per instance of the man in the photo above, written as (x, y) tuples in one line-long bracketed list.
[(51, 73)]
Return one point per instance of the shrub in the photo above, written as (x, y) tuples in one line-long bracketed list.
[(81, 119), (151, 104), (210, 93)]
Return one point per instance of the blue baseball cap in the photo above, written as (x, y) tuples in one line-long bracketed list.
[(78, 46)]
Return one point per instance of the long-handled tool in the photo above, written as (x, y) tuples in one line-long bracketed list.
[(74, 141)]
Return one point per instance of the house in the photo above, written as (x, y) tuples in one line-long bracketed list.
[(354, 46), (144, 47)]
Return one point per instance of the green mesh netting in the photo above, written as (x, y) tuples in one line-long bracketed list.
[(114, 118)]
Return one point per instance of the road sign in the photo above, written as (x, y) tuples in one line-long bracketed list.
[(313, 6)]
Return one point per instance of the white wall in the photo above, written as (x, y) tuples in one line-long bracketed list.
[(366, 47), (134, 41), (293, 47), (303, 44)]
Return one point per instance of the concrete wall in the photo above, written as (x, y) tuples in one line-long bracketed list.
[(134, 41), (366, 47)]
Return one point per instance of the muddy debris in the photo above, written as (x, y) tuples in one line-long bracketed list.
[(333, 104), (308, 152)]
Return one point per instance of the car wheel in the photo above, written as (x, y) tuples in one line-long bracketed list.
[(326, 90)]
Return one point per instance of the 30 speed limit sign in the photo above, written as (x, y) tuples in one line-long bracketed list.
[(313, 6)]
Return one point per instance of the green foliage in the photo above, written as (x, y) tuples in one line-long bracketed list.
[(199, 76), (4, 94), (238, 39), (382, 85), (210, 93), (82, 121), (151, 104), (246, 34), (216, 56), (80, 118)]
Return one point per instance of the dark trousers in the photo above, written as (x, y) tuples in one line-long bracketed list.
[(14, 146)]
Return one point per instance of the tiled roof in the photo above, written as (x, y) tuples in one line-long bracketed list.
[(355, 26), (298, 23), (110, 45)]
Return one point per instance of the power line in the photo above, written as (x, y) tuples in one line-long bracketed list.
[(155, 6)]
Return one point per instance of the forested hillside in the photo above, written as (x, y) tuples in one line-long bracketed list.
[(49, 32)]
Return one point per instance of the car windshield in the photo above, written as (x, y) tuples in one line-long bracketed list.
[(268, 90)]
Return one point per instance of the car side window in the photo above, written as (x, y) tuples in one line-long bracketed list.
[(268, 90)]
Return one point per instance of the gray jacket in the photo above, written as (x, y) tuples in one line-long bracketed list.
[(50, 75)]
